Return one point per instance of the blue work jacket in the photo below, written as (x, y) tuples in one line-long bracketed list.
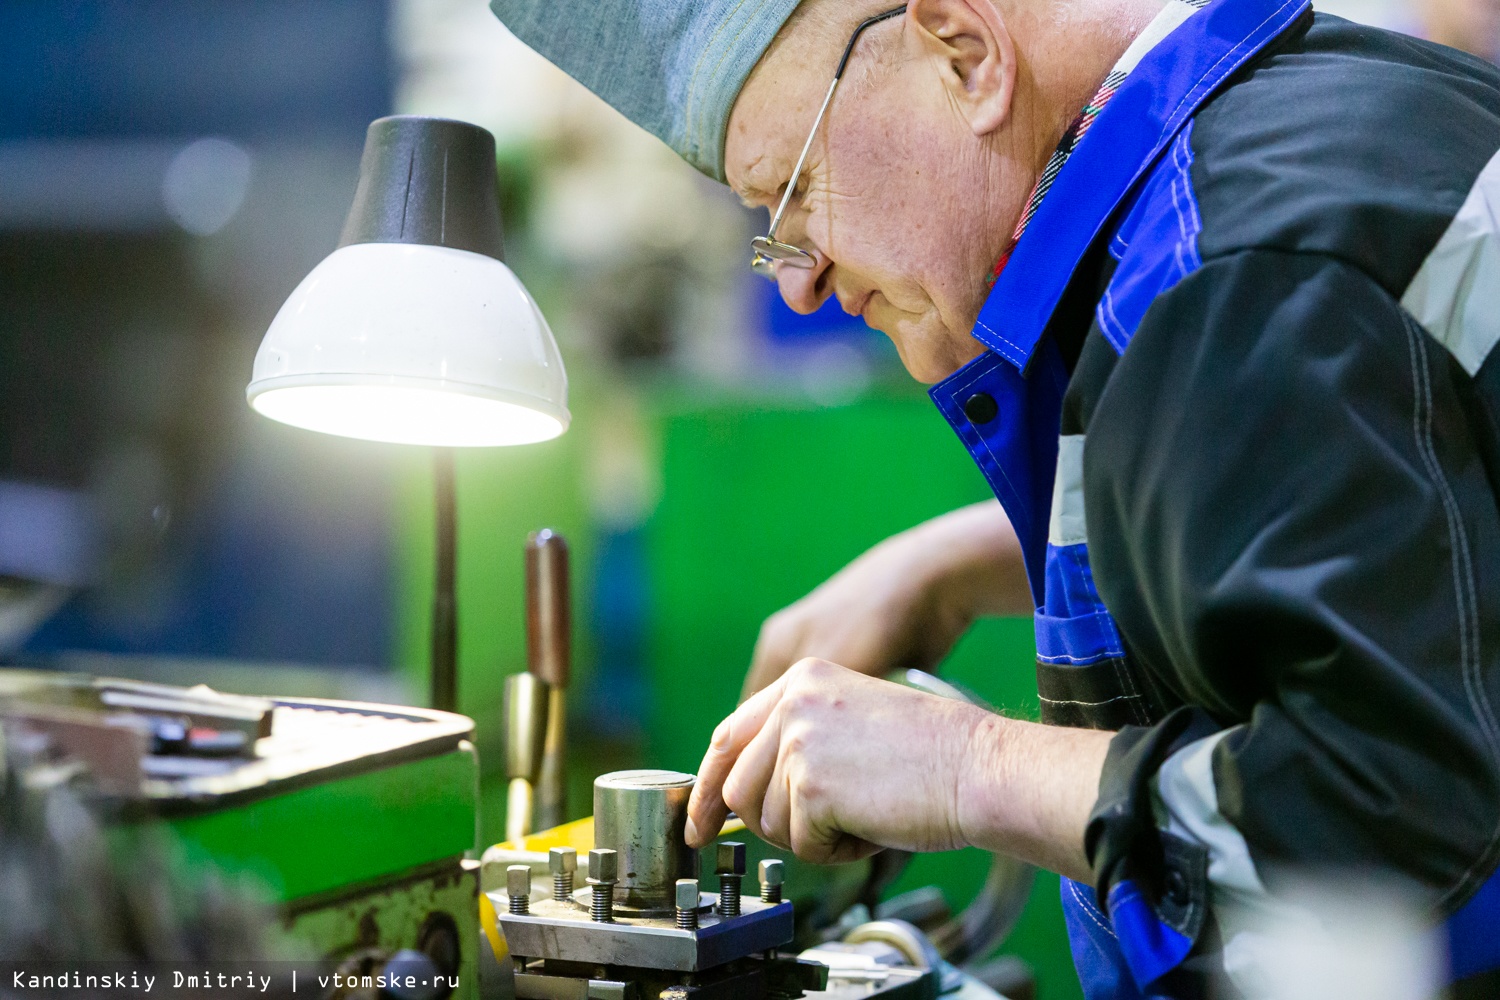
[(1239, 402)]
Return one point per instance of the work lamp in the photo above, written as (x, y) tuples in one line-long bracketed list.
[(414, 331)]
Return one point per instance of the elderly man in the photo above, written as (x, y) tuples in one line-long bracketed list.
[(1208, 289)]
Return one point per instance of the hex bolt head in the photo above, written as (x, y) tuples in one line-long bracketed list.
[(562, 861), (604, 866), (687, 894), (731, 870), (687, 904), (604, 872), (518, 888), (772, 877), (731, 858)]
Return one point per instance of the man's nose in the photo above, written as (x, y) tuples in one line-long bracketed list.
[(804, 288)]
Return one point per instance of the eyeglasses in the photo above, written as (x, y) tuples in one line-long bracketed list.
[(768, 249)]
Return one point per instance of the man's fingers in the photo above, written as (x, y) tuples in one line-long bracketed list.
[(744, 787), (706, 808), (775, 809)]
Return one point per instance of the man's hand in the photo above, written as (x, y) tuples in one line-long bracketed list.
[(905, 602), (834, 766)]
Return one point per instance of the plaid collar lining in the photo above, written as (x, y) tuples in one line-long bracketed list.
[(1163, 25)]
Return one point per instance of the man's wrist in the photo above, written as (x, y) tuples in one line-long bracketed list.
[(1026, 790), (977, 779)]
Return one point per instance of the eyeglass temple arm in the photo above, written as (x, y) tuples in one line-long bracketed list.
[(812, 134), (791, 186)]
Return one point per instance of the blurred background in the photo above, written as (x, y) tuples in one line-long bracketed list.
[(170, 169)]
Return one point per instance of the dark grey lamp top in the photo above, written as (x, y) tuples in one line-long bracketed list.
[(429, 181)]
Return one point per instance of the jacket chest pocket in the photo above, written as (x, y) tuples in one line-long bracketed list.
[(1082, 674)]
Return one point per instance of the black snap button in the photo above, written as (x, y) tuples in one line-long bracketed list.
[(1177, 889), (981, 408)]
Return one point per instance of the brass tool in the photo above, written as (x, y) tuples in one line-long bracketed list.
[(525, 733), (549, 658)]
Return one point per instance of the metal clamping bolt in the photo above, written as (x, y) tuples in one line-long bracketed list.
[(687, 904), (731, 872), (772, 876), (604, 872), (563, 863), (518, 886)]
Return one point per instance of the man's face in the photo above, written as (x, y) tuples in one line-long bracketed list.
[(899, 201)]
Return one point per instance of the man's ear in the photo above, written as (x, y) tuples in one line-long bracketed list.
[(974, 54)]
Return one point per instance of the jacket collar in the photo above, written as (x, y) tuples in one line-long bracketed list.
[(1163, 90)]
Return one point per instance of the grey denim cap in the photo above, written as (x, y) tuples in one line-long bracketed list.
[(674, 67)]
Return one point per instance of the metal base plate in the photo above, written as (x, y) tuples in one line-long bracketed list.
[(561, 931)]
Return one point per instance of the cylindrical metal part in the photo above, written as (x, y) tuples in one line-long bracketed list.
[(604, 871), (563, 863), (552, 784), (549, 633), (444, 681), (772, 876), (518, 888), (525, 726), (518, 811), (525, 731), (641, 814), (687, 904)]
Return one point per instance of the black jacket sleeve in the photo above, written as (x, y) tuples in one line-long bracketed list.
[(1292, 525)]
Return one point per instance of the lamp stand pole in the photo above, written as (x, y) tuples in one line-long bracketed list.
[(444, 603)]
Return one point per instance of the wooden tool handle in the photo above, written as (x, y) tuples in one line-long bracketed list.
[(548, 611)]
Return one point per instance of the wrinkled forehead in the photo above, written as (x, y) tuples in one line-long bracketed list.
[(770, 119)]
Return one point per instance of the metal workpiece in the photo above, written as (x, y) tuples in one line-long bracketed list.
[(525, 734), (641, 814), (562, 862), (533, 986), (518, 888), (867, 973), (562, 932), (772, 878), (687, 904), (525, 725), (604, 870), (730, 867)]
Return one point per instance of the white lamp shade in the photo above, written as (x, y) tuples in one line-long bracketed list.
[(412, 344)]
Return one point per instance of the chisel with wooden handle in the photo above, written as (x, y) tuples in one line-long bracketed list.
[(549, 659)]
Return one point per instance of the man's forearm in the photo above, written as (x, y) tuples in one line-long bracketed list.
[(979, 561), (1027, 790)]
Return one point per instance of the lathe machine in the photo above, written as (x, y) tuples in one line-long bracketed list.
[(359, 820), (638, 916)]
